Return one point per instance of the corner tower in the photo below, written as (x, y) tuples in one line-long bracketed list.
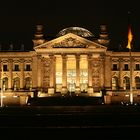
[(103, 37), (38, 36)]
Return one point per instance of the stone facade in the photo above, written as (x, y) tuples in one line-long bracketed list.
[(70, 63)]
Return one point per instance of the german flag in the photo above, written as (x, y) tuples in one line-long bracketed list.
[(130, 37)]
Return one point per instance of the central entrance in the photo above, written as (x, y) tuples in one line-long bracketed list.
[(71, 80), (71, 73), (76, 75)]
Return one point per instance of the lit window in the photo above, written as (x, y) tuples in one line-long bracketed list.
[(137, 82)]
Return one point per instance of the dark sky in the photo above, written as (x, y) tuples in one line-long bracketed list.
[(18, 19)]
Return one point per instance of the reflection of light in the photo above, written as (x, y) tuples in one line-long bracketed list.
[(127, 95), (3, 96), (15, 96), (59, 80), (28, 103)]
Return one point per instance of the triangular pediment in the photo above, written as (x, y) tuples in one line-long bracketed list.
[(69, 40)]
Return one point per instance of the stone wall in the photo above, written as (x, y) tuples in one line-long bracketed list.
[(15, 98)]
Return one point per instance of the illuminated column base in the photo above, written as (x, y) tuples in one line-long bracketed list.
[(9, 89), (131, 98), (51, 90), (64, 90), (77, 90), (90, 91)]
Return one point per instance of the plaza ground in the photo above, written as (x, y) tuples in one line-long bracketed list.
[(96, 121)]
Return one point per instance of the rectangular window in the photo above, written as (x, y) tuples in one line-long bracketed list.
[(137, 66), (115, 67), (28, 67), (125, 66), (5, 68), (16, 67)]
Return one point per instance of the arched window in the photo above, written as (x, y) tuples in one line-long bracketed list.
[(5, 83), (16, 83), (28, 83), (126, 82), (114, 83), (137, 82)]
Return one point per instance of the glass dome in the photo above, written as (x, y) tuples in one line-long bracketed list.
[(76, 30)]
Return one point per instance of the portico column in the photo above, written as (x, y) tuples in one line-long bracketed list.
[(102, 83), (77, 90), (121, 73), (39, 72), (10, 74), (22, 74), (64, 74), (51, 89), (90, 86), (133, 77)]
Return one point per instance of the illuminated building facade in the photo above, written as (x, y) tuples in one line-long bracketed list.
[(75, 61)]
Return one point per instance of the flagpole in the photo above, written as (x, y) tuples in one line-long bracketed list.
[(130, 38), (131, 89)]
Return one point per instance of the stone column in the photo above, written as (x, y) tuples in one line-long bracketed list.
[(102, 82), (121, 73), (39, 66), (51, 89), (64, 74), (108, 77), (90, 86), (77, 90), (35, 72), (10, 68), (133, 77), (22, 73)]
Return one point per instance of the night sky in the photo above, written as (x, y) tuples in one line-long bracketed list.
[(19, 18)]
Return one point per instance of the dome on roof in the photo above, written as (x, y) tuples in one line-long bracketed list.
[(76, 30)]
